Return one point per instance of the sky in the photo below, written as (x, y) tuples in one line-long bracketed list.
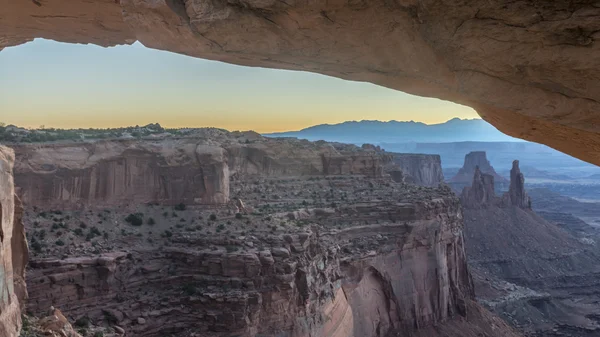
[(73, 85)]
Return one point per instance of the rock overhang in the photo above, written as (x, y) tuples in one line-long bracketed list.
[(529, 68)]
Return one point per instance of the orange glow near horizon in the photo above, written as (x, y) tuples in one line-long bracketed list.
[(81, 86)]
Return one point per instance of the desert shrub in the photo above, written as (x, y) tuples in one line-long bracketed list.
[(36, 246), (189, 289), (135, 219), (180, 207), (213, 217), (82, 322), (60, 242), (232, 249), (151, 221)]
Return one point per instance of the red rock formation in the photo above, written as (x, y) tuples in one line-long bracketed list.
[(171, 171), (480, 193), (420, 169), (362, 280), (528, 67), (13, 250), (516, 195), (473, 160)]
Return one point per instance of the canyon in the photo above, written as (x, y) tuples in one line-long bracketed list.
[(315, 240), (186, 170), (537, 271)]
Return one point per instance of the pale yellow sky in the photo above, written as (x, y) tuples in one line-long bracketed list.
[(67, 86)]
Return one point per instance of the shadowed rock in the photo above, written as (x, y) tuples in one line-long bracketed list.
[(516, 195), (13, 251)]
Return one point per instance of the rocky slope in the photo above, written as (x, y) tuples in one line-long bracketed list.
[(534, 79), (191, 170), (420, 169), (13, 250), (336, 254), (533, 273)]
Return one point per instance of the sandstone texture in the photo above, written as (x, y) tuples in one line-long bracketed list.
[(319, 255), (13, 251), (365, 280), (530, 68), (420, 169), (193, 170)]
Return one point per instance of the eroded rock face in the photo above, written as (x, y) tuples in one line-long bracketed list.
[(358, 281), (535, 78), (13, 250), (475, 160), (480, 193), (516, 194), (195, 170), (420, 169)]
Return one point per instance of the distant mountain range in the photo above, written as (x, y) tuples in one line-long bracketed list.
[(358, 132)]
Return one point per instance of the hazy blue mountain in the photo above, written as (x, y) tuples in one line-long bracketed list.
[(452, 140), (454, 130)]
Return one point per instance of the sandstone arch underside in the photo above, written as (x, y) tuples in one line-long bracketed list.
[(529, 67)]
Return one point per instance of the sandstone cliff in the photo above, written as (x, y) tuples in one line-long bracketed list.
[(473, 160), (476, 159), (480, 193), (317, 282), (13, 251), (420, 169), (363, 268), (195, 170), (516, 195), (530, 68)]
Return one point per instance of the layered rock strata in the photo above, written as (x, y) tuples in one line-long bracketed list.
[(194, 170), (363, 268), (13, 250), (420, 169)]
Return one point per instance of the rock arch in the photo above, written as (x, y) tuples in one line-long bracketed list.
[(531, 68)]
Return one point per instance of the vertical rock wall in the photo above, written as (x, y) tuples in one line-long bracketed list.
[(420, 169), (13, 251)]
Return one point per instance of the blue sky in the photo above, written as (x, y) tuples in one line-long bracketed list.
[(67, 85)]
